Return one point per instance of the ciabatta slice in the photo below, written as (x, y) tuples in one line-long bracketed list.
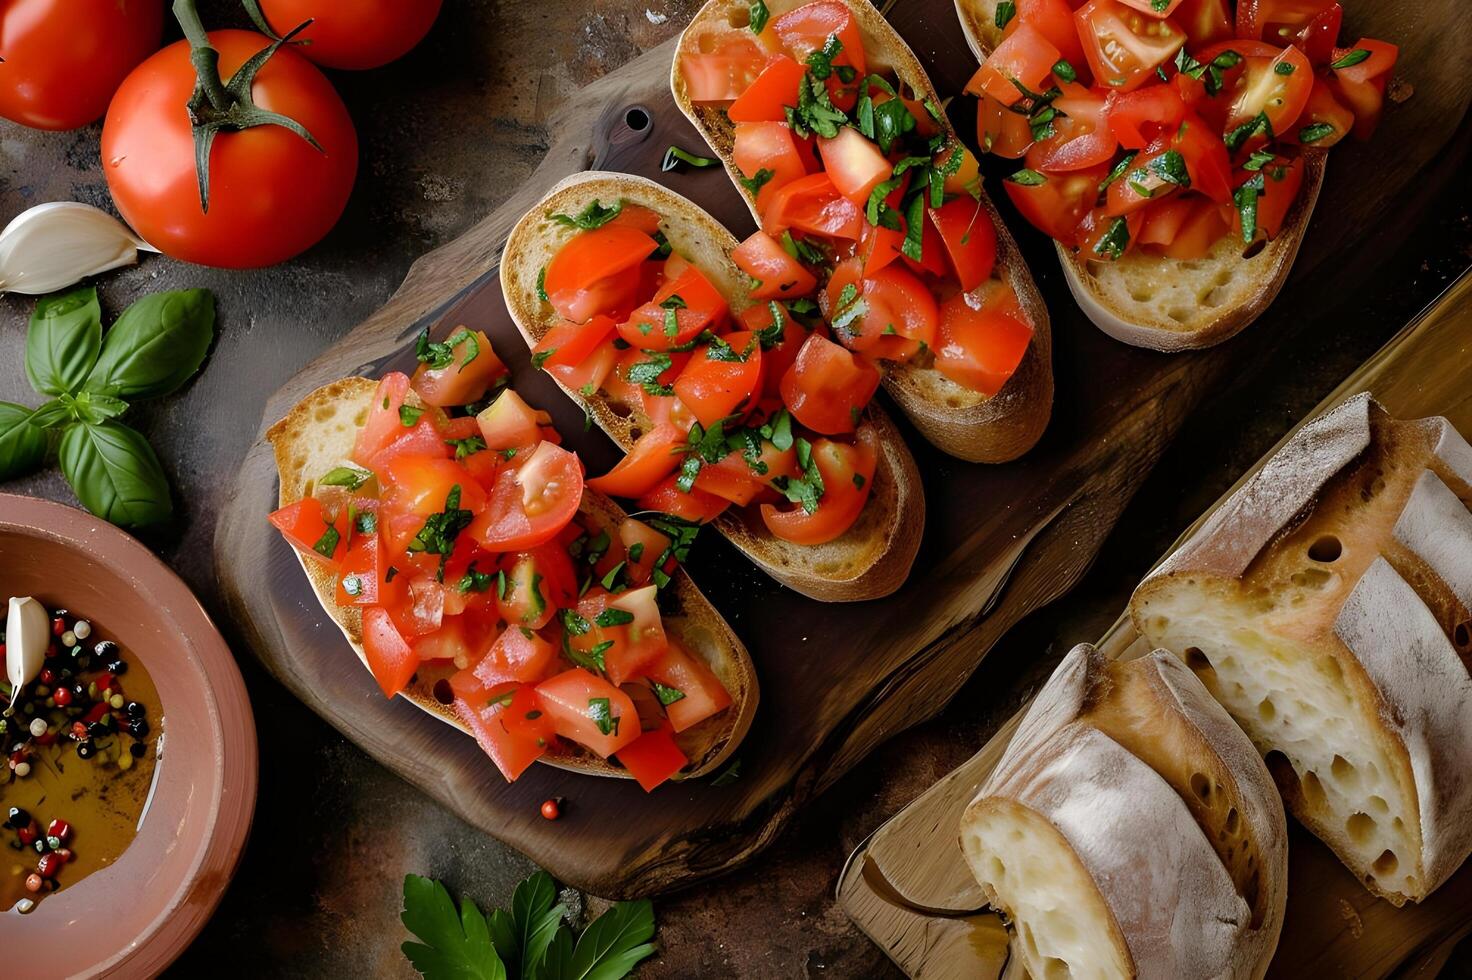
[(318, 434), (1130, 829), (1326, 605), (956, 419), (873, 557), (1174, 304)]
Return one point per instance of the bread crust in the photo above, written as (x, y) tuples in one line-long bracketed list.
[(322, 427), (1165, 804), (1383, 605), (955, 419), (1201, 324), (871, 559)]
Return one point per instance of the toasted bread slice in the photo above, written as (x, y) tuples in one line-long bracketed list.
[(872, 558), (957, 420), (1328, 606), (1170, 304), (318, 434)]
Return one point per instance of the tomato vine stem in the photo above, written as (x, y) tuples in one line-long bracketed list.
[(218, 106)]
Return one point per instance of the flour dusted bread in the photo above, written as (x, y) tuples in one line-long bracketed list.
[(1172, 304), (869, 560), (318, 434), (956, 419), (1326, 605), (1130, 829)]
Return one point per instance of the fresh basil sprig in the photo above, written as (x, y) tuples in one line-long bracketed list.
[(153, 349)]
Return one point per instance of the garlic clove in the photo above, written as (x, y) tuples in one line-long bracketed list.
[(51, 246), (27, 635)]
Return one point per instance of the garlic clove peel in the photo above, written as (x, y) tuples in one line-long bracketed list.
[(52, 246)]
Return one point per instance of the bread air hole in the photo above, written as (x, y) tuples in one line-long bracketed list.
[(1234, 820), (1197, 660), (1254, 248), (1266, 711), (1313, 790), (1463, 635), (1056, 969), (1386, 863), (1345, 774), (1179, 314), (1326, 549), (1201, 786), (443, 693), (1359, 826)]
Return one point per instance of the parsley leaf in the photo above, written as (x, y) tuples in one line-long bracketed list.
[(1314, 132), (437, 356), (759, 16), (467, 446), (474, 581), (602, 714), (757, 181), (408, 415), (351, 477), (1245, 198), (1114, 241), (1027, 178), (1257, 124), (1350, 59), (452, 944), (438, 535)]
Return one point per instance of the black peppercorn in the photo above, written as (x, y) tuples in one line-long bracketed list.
[(17, 818), (138, 728), (136, 710), (85, 749), (138, 749)]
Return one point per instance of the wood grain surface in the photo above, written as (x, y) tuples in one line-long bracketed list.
[(836, 681), (908, 886)]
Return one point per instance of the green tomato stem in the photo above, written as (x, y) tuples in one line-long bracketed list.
[(202, 55)]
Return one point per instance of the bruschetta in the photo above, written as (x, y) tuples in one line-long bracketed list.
[(414, 528), (733, 411), (1173, 149), (834, 135)]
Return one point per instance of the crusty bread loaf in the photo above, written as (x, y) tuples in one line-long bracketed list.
[(956, 419), (1326, 605), (318, 434), (1130, 829), (873, 557), (1171, 304)]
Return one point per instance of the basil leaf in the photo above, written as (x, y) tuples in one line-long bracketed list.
[(156, 345), (115, 473), (63, 341), (759, 16), (22, 442)]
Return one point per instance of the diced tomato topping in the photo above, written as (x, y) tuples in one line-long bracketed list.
[(1137, 118), (847, 472), (1000, 130), (390, 658), (696, 505), (1123, 45), (643, 545), (652, 457), (694, 691), (531, 502), (481, 708), (854, 163), (774, 88), (1082, 137), (510, 423), (970, 239), (980, 344), (364, 578), (1204, 21), (472, 369), (307, 529), (722, 75), (652, 758), (722, 377), (767, 152), (589, 710), (569, 343), (596, 271), (807, 28), (383, 424), (519, 656), (827, 387), (1023, 60), (1324, 120), (813, 204), (1360, 84), (777, 274)]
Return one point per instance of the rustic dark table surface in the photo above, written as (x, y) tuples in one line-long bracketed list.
[(448, 133)]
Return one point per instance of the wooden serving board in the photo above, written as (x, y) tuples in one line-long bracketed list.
[(908, 886), (1000, 542)]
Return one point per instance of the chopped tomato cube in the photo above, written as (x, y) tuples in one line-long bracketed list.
[(517, 656), (531, 502), (423, 485), (590, 373), (980, 346), (589, 710), (652, 758), (774, 88), (777, 274), (722, 378), (813, 204), (1024, 59), (827, 387), (510, 423), (643, 546), (524, 717), (855, 164), (1123, 45), (848, 477), (1136, 118), (652, 457), (306, 528), (1001, 131), (697, 505), (595, 270), (472, 369), (527, 599), (1361, 86), (692, 692), (383, 424), (569, 343), (767, 152), (807, 28), (721, 75), (970, 239), (1053, 19), (481, 709), (364, 578), (390, 658), (422, 438)]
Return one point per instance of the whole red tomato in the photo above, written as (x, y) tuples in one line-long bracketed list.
[(65, 58), (272, 194), (357, 35)]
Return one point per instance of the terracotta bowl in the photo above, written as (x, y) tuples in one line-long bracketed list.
[(132, 918)]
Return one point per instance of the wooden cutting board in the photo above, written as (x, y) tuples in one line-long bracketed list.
[(1000, 542), (908, 886)]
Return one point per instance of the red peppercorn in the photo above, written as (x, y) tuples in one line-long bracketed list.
[(62, 696), (60, 829), (33, 882), (65, 853), (50, 864), (552, 809), (48, 676), (58, 626), (29, 833)]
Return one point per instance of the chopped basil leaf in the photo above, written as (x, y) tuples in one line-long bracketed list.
[(614, 617), (540, 357), (408, 415), (1350, 59), (1314, 132), (542, 284), (636, 551), (757, 181), (367, 522), (1117, 172), (474, 581), (1170, 167), (326, 545), (1028, 178), (759, 16), (438, 535), (1283, 68), (1245, 197), (674, 156), (437, 356), (599, 711), (667, 695), (1006, 10), (595, 215), (467, 446), (1257, 124), (728, 775), (646, 373), (351, 477), (914, 228), (820, 62), (1064, 71), (1114, 241), (611, 582)]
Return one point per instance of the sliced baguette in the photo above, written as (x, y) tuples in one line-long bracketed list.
[(873, 557), (318, 434), (1130, 829), (1327, 605), (957, 420), (1167, 304)]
